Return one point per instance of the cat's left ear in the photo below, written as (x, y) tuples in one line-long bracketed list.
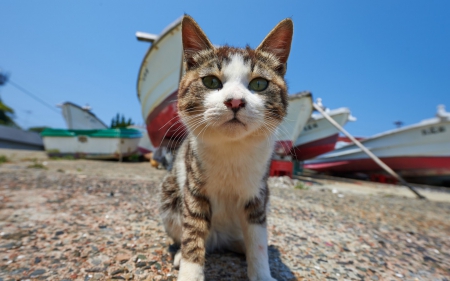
[(278, 41), (194, 40)]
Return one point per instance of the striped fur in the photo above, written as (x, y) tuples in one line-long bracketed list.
[(216, 195)]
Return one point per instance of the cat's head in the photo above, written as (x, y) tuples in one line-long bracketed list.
[(232, 93)]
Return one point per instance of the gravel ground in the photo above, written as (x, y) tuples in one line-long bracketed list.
[(98, 220)]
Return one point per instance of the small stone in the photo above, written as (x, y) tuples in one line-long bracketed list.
[(85, 253), (98, 276), (122, 258), (11, 245), (427, 258), (58, 233), (141, 264), (119, 271), (37, 273), (19, 271), (15, 236), (157, 266), (142, 257), (94, 269), (129, 276), (37, 260)]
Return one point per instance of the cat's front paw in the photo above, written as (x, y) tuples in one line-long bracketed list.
[(268, 278), (260, 276), (190, 272)]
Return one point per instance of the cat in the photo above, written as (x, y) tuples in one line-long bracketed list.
[(215, 197)]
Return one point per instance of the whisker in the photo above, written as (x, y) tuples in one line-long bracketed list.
[(178, 133), (178, 115)]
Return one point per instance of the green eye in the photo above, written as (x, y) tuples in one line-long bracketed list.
[(258, 84), (212, 82)]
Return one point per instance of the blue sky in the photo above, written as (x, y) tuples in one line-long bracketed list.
[(385, 60)]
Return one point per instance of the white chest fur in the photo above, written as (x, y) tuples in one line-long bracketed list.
[(234, 171)]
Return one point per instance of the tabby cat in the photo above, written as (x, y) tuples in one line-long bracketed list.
[(231, 100)]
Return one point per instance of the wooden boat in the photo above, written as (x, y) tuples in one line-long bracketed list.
[(320, 136), (420, 153), (157, 87)]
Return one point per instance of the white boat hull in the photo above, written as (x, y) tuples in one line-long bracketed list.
[(417, 151), (91, 148)]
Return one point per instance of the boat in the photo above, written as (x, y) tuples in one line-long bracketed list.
[(88, 137), (420, 153), (80, 118), (157, 88), (91, 144), (16, 138), (320, 136), (299, 110)]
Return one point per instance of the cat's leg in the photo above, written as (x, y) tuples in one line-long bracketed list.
[(177, 259), (254, 228), (195, 230), (196, 222), (171, 207)]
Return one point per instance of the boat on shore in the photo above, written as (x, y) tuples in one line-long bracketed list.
[(299, 110), (16, 138), (89, 137), (320, 136), (80, 118), (91, 144), (420, 153), (157, 88)]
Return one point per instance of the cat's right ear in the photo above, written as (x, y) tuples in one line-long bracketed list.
[(194, 40)]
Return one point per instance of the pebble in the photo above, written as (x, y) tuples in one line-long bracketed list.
[(37, 273)]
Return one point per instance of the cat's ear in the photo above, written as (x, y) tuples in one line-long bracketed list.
[(278, 41), (194, 40)]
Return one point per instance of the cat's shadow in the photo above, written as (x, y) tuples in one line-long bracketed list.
[(231, 266)]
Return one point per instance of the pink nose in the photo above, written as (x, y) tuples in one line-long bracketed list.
[(235, 103)]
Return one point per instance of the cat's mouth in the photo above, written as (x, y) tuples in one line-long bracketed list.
[(235, 121)]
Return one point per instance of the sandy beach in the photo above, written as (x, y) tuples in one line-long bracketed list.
[(98, 220)]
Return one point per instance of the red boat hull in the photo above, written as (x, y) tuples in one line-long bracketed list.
[(432, 170), (314, 148), (163, 124)]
